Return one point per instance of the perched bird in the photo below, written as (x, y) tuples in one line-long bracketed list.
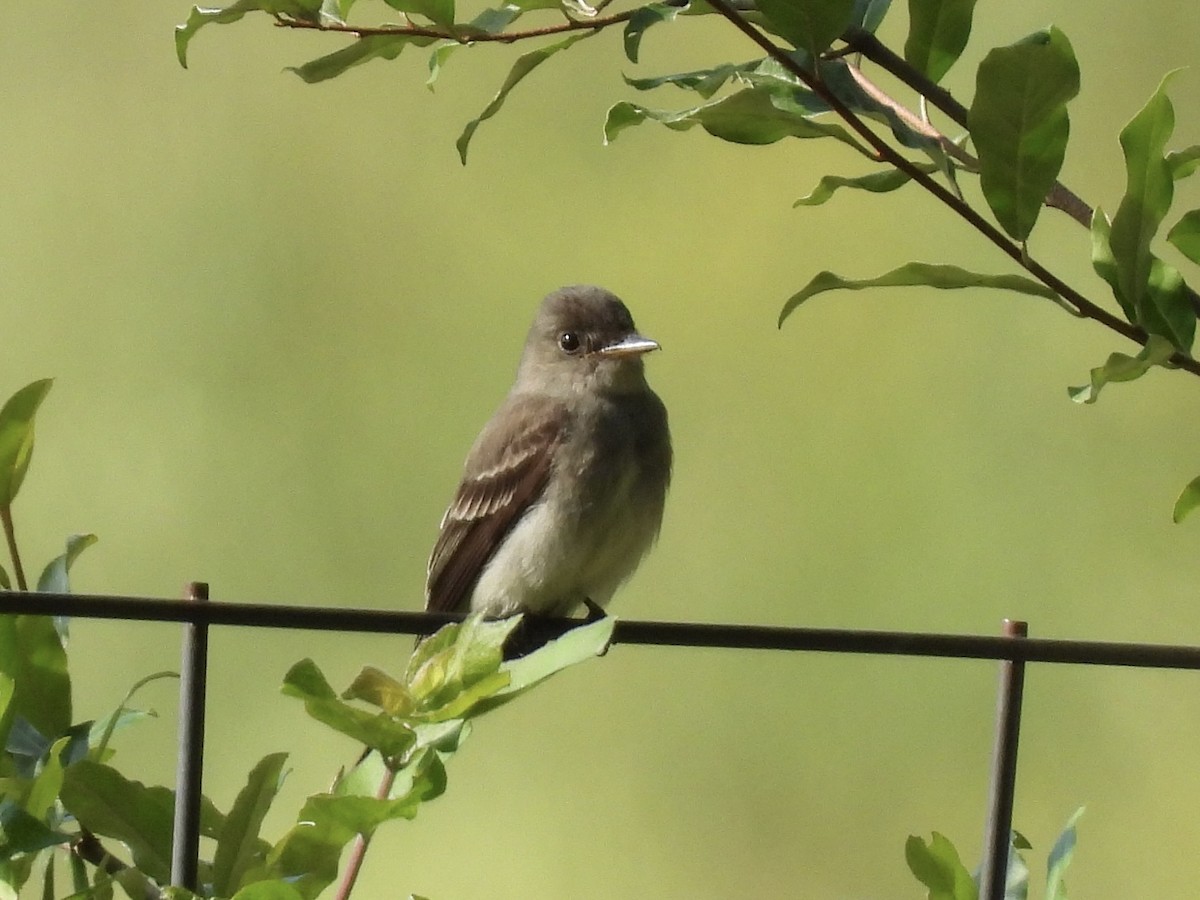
[(562, 493)]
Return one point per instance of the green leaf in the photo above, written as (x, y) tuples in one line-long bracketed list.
[(107, 803), (380, 732), (938, 867), (269, 890), (1144, 284), (43, 791), (371, 46), (304, 10), (577, 645), (876, 183), (751, 116), (1185, 235), (1060, 858), (24, 833), (55, 577), (16, 436), (915, 274), (103, 729), (937, 33), (1016, 874), (1105, 263), (522, 67), (1188, 500), (1183, 163), (378, 688), (42, 693), (1018, 121), (440, 12), (810, 25), (1121, 367), (646, 17), (869, 14), (705, 82), (240, 847)]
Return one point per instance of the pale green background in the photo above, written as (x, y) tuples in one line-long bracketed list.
[(278, 313)]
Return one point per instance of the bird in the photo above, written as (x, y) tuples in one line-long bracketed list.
[(562, 493)]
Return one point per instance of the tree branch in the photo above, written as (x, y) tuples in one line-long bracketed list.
[(887, 153), (462, 37)]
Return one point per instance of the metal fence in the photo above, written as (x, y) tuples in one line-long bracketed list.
[(1012, 648)]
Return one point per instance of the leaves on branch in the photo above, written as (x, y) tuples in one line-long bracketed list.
[(1122, 367), (809, 25)]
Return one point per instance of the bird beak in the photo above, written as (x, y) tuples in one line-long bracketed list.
[(632, 345)]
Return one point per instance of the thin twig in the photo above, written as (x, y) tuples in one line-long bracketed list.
[(362, 841), (887, 153), (10, 536), (471, 37)]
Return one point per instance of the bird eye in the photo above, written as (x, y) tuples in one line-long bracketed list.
[(569, 341)]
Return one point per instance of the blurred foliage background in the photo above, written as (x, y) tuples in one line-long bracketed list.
[(278, 314)]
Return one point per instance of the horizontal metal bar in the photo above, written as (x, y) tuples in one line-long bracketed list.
[(679, 634)]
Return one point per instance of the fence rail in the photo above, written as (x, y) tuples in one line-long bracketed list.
[(1014, 649)]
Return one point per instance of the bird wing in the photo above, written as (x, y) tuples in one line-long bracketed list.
[(505, 473)]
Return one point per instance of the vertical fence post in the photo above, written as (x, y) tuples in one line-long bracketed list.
[(998, 832), (193, 675)]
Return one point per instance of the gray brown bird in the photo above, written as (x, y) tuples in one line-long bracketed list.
[(563, 492)]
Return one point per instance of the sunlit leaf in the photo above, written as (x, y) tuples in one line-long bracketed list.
[(521, 68), (916, 274), (1122, 367), (1188, 500), (1018, 121), (810, 25), (938, 867), (269, 890), (16, 436), (1060, 858), (103, 729), (378, 688), (937, 33), (1183, 163), (377, 731), (240, 846)]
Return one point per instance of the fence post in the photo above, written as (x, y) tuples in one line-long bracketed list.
[(193, 677), (998, 831)]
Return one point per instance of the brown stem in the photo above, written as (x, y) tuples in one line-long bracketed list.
[(88, 848), (10, 536), (359, 851), (473, 37), (888, 154)]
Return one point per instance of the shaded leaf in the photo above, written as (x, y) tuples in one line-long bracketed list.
[(521, 68), (1188, 500), (751, 116), (102, 731), (107, 803), (43, 683), (55, 578), (1144, 285), (1018, 121), (937, 33), (938, 867), (1060, 858), (875, 182), (869, 14), (646, 17), (705, 82), (305, 10), (440, 12), (1121, 367), (1016, 873), (24, 833), (1185, 235), (240, 847), (810, 25), (364, 49), (16, 436), (914, 274)]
